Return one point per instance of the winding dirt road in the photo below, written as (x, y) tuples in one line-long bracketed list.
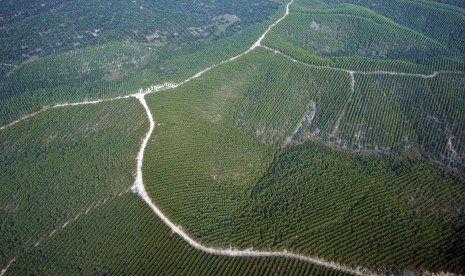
[(139, 187)]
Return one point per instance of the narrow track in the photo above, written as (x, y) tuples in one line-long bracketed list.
[(258, 43), (352, 72), (139, 188)]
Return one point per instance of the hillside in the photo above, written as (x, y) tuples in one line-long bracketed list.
[(312, 137)]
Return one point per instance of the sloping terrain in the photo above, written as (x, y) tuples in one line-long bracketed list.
[(90, 49), (324, 139), (32, 29), (122, 237), (311, 199), (56, 164)]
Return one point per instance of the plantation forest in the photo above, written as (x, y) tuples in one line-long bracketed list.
[(265, 137)]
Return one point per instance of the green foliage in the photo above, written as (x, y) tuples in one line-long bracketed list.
[(384, 213), (29, 28), (283, 93), (443, 23), (211, 164), (457, 3), (60, 161), (355, 38), (237, 155), (110, 70), (342, 206), (343, 32), (394, 113), (124, 237)]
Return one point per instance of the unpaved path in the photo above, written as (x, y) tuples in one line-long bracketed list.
[(61, 105), (156, 88), (352, 72), (168, 85), (139, 187)]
